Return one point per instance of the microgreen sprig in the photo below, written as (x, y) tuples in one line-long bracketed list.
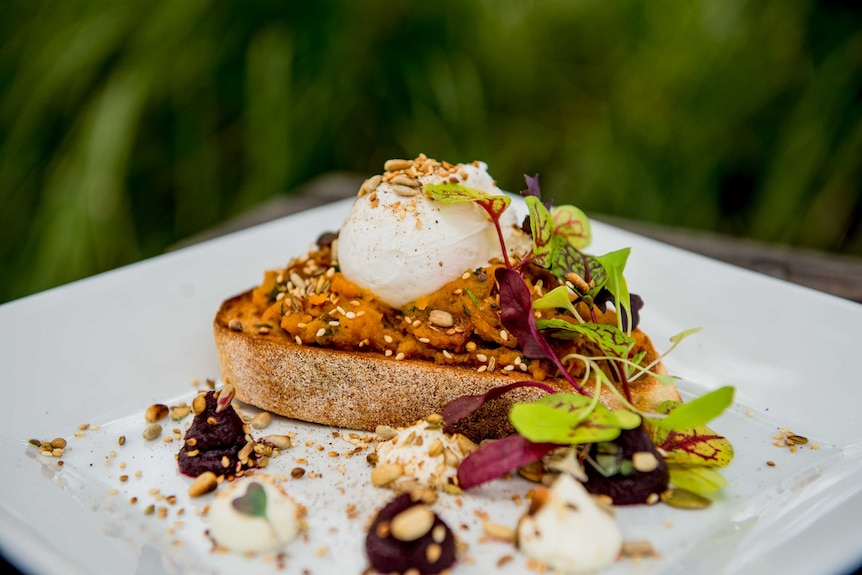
[(559, 419)]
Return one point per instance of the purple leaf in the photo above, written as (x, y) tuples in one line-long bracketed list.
[(497, 458), (532, 186), (461, 407), (516, 316)]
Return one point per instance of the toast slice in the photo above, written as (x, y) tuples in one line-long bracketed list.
[(363, 389)]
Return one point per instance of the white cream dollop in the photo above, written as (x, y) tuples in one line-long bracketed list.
[(404, 247), (570, 533), (424, 453), (281, 521)]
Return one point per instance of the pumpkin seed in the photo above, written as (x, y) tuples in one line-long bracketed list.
[(180, 411), (152, 431), (452, 489)]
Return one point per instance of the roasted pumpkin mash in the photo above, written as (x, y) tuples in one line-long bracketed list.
[(310, 302)]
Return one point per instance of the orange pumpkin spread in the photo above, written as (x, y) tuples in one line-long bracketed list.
[(312, 303)]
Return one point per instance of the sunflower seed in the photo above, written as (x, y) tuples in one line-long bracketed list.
[(405, 180), (404, 191)]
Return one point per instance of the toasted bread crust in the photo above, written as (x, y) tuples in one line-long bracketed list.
[(359, 390)]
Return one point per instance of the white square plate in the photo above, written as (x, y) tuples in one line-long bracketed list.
[(100, 350)]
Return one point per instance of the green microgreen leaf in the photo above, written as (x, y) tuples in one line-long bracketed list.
[(572, 223), (609, 338), (472, 297), (449, 193), (698, 411), (695, 447), (614, 263), (675, 340), (554, 252), (626, 418), (494, 205), (557, 298), (701, 480), (253, 503), (569, 419)]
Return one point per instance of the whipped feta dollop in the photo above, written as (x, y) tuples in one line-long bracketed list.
[(402, 245), (567, 531), (255, 514), (422, 453)]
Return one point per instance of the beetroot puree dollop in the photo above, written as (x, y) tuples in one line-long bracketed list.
[(211, 438)]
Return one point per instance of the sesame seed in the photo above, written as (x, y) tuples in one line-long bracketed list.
[(400, 356), (504, 335), (320, 332), (482, 368), (482, 357)]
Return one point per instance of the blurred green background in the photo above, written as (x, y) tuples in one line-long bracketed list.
[(126, 127)]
